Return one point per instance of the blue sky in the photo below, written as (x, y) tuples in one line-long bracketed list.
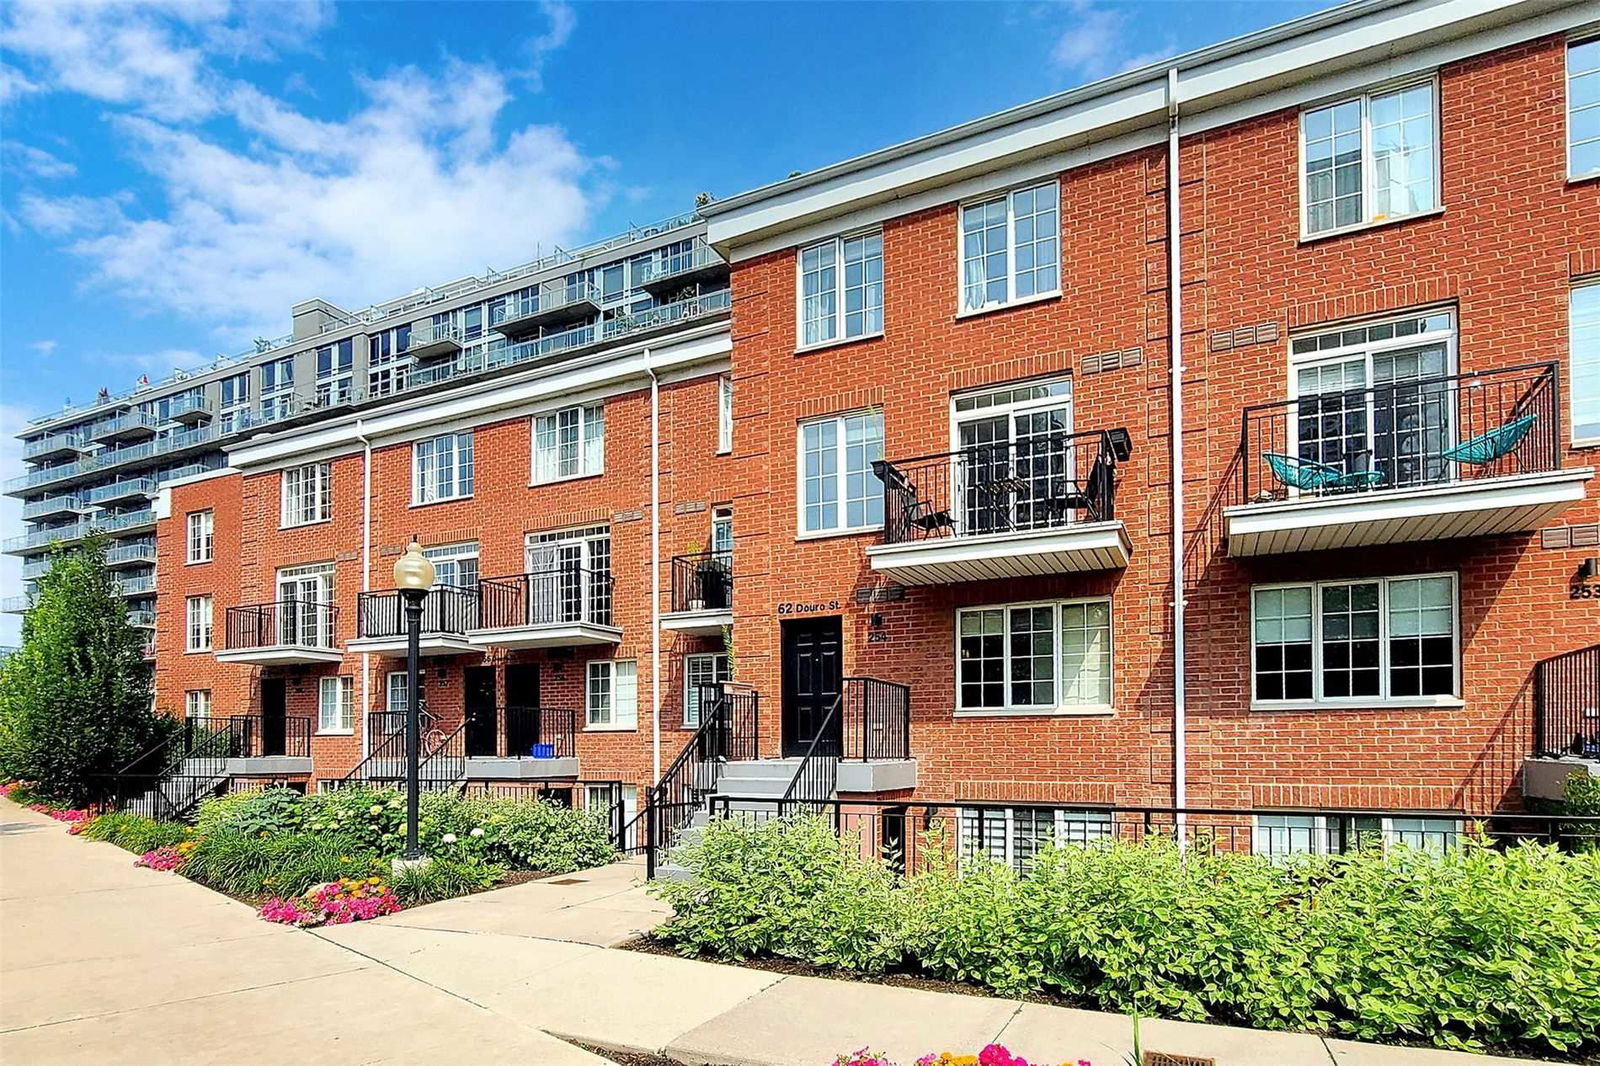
[(174, 175)]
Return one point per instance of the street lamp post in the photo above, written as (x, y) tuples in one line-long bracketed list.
[(413, 578)]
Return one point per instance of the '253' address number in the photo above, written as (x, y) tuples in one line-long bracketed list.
[(1585, 592)]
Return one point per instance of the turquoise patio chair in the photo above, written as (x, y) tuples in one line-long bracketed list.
[(1308, 475), (1485, 448)]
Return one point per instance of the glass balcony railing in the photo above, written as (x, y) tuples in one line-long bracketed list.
[(54, 444), (678, 267), (137, 585), (123, 490), (131, 554), (34, 510), (109, 458)]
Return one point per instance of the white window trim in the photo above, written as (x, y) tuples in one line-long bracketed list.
[(687, 685), (1057, 709), (583, 444), (200, 525), (325, 508), (456, 479), (1365, 96), (346, 686), (1064, 817), (838, 243), (1566, 104), (1319, 702), (191, 700), (1320, 826), (801, 533), (1012, 300), (724, 414), (194, 643), (1590, 282), (612, 726)]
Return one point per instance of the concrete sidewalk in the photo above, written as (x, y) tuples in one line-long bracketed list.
[(105, 963)]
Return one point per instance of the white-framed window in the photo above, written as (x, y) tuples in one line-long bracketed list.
[(277, 388), (441, 468), (335, 372), (388, 360), (570, 575), (200, 537), (1011, 247), (1399, 427), (1363, 641), (1584, 336), (840, 289), (710, 668), (1281, 835), (722, 533), (305, 605), (1014, 835), (839, 492), (724, 414), (395, 689), (611, 696), (455, 565), (197, 703), (336, 705), (1034, 657), (570, 442), (197, 617), (1369, 158), (1583, 108), (307, 494), (235, 409), (1019, 434)]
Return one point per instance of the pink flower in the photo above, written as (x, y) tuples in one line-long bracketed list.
[(168, 858)]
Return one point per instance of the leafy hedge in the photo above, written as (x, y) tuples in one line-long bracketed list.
[(1472, 948)]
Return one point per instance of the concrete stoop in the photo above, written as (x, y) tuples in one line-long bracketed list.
[(746, 786)]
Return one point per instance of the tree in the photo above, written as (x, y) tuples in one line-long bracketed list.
[(75, 699)]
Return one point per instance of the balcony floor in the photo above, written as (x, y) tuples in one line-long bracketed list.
[(1076, 548), (280, 655), (698, 623), (559, 635), (1469, 508), (395, 647), (504, 768)]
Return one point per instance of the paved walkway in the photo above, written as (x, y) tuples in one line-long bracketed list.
[(105, 963)]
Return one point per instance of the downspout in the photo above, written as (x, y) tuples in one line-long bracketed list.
[(1180, 761), (655, 570), (366, 576)]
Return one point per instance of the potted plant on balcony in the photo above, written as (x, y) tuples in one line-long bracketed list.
[(696, 598)]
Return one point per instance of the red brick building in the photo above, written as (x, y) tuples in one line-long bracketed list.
[(940, 429)]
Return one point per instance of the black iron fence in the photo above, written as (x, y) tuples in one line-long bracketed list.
[(303, 623), (522, 733), (1404, 433), (876, 720), (1566, 704), (729, 730), (913, 835), (567, 595), (605, 798), (730, 723), (273, 735), (446, 609), (1041, 481), (702, 582)]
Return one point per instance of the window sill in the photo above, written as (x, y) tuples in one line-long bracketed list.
[(202, 562), (443, 499), (610, 729), (830, 534), (1587, 442), (334, 733), (1410, 702), (1036, 298), (1362, 227), (197, 651), (303, 525), (1097, 710), (1583, 179), (838, 342), (564, 480)]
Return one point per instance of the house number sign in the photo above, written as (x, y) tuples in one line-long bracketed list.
[(797, 607)]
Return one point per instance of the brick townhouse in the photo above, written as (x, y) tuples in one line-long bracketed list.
[(914, 497)]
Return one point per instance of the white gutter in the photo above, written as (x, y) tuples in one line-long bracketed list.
[(1180, 767), (655, 570), (366, 575)]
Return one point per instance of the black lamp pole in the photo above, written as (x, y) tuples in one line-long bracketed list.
[(413, 598)]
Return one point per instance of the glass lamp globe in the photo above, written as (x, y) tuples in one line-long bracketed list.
[(413, 570)]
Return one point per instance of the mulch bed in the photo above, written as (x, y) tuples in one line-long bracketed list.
[(625, 1058)]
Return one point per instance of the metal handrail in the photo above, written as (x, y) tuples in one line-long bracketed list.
[(561, 595), (1566, 704), (446, 609), (281, 623), (702, 581), (694, 773)]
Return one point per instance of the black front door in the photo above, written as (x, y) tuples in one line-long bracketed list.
[(274, 707), (483, 724), (522, 708), (813, 669)]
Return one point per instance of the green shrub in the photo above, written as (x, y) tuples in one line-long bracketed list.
[(786, 887), (285, 864), (135, 832), (271, 810), (375, 817), (1471, 947), (519, 833), (443, 879)]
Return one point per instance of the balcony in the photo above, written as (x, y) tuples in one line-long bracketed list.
[(555, 303), (53, 507), (55, 446), (288, 632), (671, 272), (1024, 508), (41, 541), (561, 608), (521, 744), (130, 426), (433, 341), (190, 410), (126, 489), (90, 466), (1464, 455), (142, 619), (16, 605), (34, 569), (264, 745), (136, 585), (125, 555), (1566, 722), (448, 613), (702, 594)]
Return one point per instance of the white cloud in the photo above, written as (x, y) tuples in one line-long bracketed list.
[(265, 204), (14, 84), (44, 347), (1096, 43), (34, 162)]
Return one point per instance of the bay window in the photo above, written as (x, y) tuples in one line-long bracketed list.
[(1011, 247), (1034, 658), (1366, 641)]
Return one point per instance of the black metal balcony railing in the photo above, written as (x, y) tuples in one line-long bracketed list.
[(1038, 482), (286, 623), (702, 582), (446, 609), (523, 733), (1404, 434), (567, 595), (272, 735), (1566, 704)]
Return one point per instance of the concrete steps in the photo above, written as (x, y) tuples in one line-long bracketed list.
[(749, 786)]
